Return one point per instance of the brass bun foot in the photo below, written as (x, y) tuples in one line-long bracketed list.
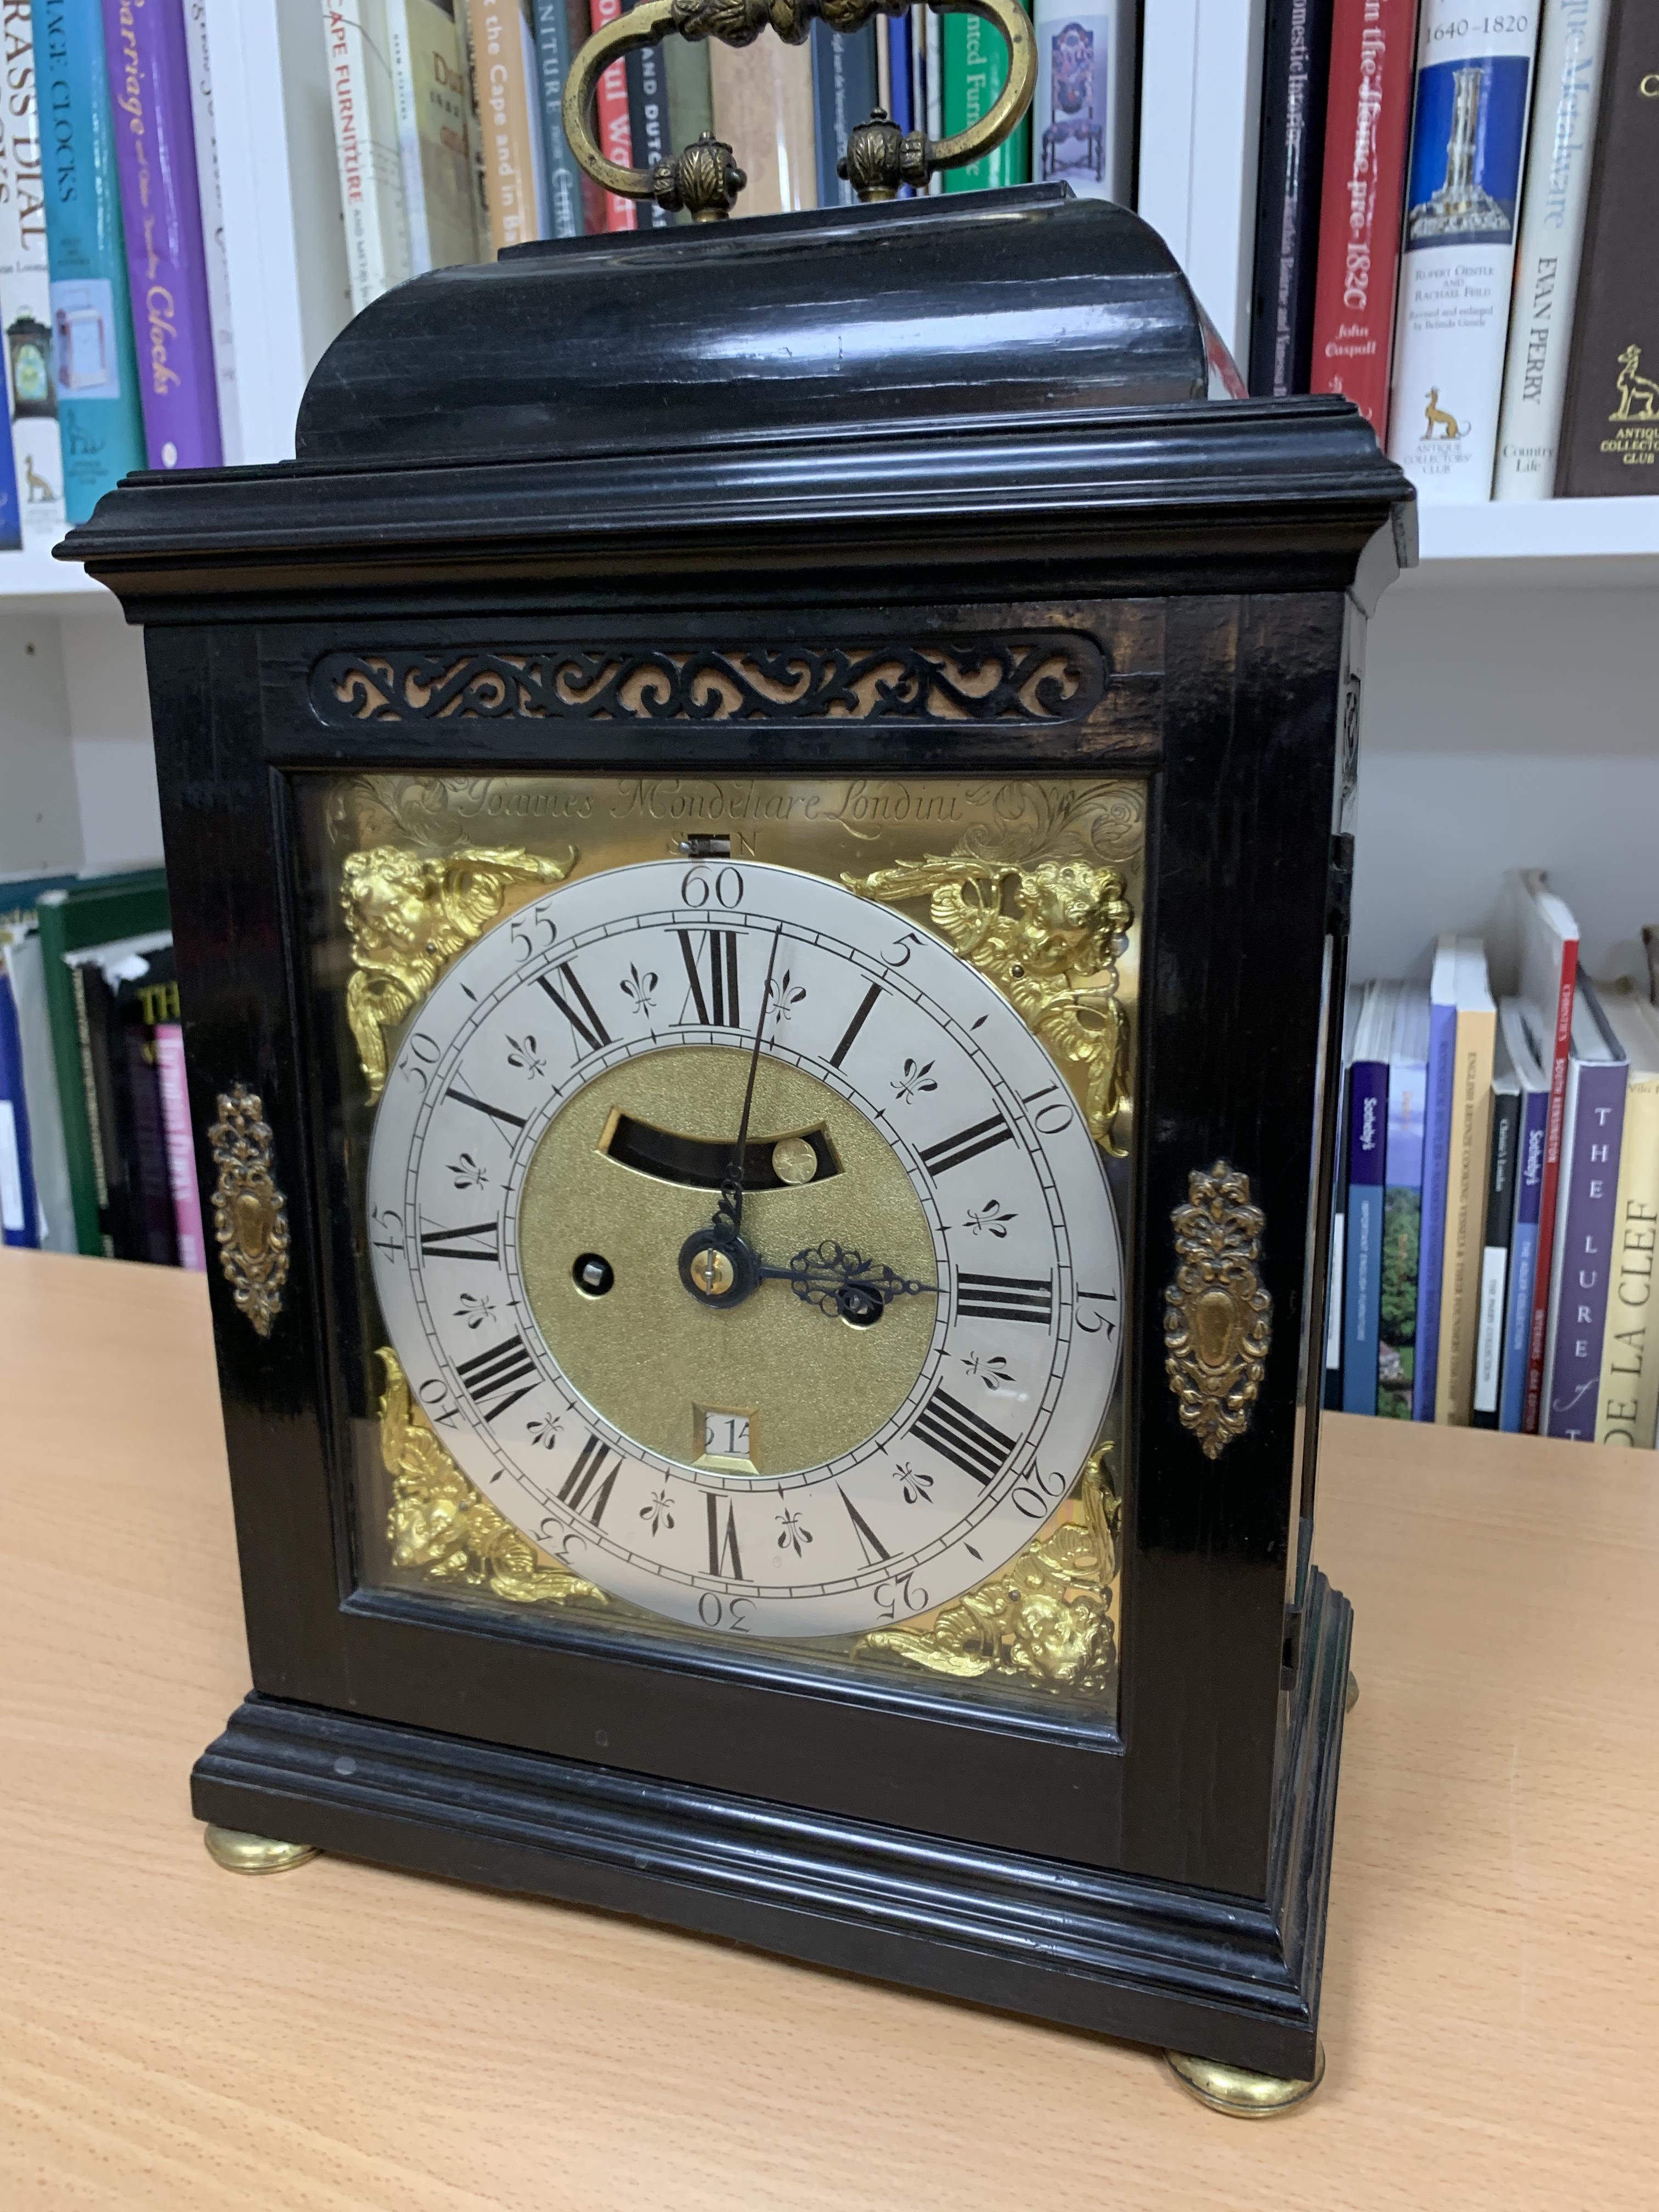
[(1246, 2096), (238, 1852), (1351, 1695)]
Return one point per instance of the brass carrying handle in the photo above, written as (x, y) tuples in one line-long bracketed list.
[(704, 177)]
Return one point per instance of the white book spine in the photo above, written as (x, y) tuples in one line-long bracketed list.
[(400, 45), (213, 225), (1570, 53), (28, 384), (365, 140), (1472, 95), (1083, 116)]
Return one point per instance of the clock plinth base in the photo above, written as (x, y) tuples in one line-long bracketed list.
[(239, 1852), (1238, 2093)]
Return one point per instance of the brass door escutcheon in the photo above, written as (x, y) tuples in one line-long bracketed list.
[(1218, 1318), (250, 1213), (704, 178)]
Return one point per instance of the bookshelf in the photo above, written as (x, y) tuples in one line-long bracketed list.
[(1510, 677)]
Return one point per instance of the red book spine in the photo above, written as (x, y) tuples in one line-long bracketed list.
[(610, 108), (1367, 125), (1532, 1404)]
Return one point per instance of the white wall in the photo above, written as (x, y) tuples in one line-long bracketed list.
[(113, 757), (39, 823), (1506, 728)]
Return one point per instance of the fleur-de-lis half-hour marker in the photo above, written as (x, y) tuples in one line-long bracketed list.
[(467, 1174), (641, 989), (990, 1219), (475, 1309), (917, 1077), (521, 1052), (785, 995)]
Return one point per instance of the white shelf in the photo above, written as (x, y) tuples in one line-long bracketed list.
[(1574, 542), (33, 583)]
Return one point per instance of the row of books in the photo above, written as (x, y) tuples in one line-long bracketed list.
[(1451, 231), (1496, 1211), (448, 115), (114, 293), (96, 1154)]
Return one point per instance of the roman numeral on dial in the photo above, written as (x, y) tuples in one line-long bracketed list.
[(586, 1489), (1006, 1297), (870, 1544), (481, 1241), (711, 969), (956, 1432), (723, 1555), (495, 1113), (849, 1035), (491, 1373), (581, 1017), (967, 1145)]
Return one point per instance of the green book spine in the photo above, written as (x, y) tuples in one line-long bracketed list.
[(976, 70), (97, 912)]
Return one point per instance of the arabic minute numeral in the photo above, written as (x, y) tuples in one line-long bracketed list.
[(900, 1596), (1058, 1114), (723, 886), (1091, 1322), (731, 1612), (385, 1232), (439, 1402), (1037, 1494), (423, 1055)]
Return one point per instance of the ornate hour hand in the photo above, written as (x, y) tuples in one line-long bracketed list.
[(843, 1282)]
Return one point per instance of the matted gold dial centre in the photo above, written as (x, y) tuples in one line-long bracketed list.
[(652, 1358)]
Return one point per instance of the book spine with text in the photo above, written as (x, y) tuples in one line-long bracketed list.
[(1437, 1150), (1295, 80), (901, 74), (1610, 421), (1559, 1048), (505, 77), (149, 1175), (180, 1147), (647, 120), (36, 451), (1474, 95), (11, 520), (612, 126), (92, 1080), (364, 103), (213, 228), (435, 139), (1589, 1185), (553, 60), (1523, 1259), (1367, 118), (1368, 1114), (162, 218), (1402, 1232), (974, 63), (1470, 1137), (843, 93), (93, 359), (19, 1212), (1495, 1260), (1627, 1406), (1336, 1264), (1570, 54)]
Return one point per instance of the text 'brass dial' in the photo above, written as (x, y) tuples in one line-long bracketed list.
[(649, 1358)]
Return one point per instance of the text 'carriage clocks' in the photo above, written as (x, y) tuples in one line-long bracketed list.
[(745, 1247)]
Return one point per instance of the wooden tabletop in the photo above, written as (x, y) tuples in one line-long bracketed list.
[(344, 2038)]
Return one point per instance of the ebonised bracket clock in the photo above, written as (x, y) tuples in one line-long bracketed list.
[(758, 831)]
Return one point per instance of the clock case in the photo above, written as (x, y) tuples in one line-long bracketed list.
[(952, 420)]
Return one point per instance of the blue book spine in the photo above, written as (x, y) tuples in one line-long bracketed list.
[(1524, 1259), (843, 93), (20, 1214), (564, 179), (1368, 1116), (902, 70), (11, 515), (98, 410), (1436, 1167)]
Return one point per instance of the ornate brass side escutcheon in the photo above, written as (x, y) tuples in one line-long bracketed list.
[(250, 1213), (1217, 1319)]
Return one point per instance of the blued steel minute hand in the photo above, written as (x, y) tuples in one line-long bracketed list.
[(843, 1282), (731, 1205)]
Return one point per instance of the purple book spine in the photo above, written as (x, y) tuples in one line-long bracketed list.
[(1436, 1161), (1589, 1185), (161, 213)]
